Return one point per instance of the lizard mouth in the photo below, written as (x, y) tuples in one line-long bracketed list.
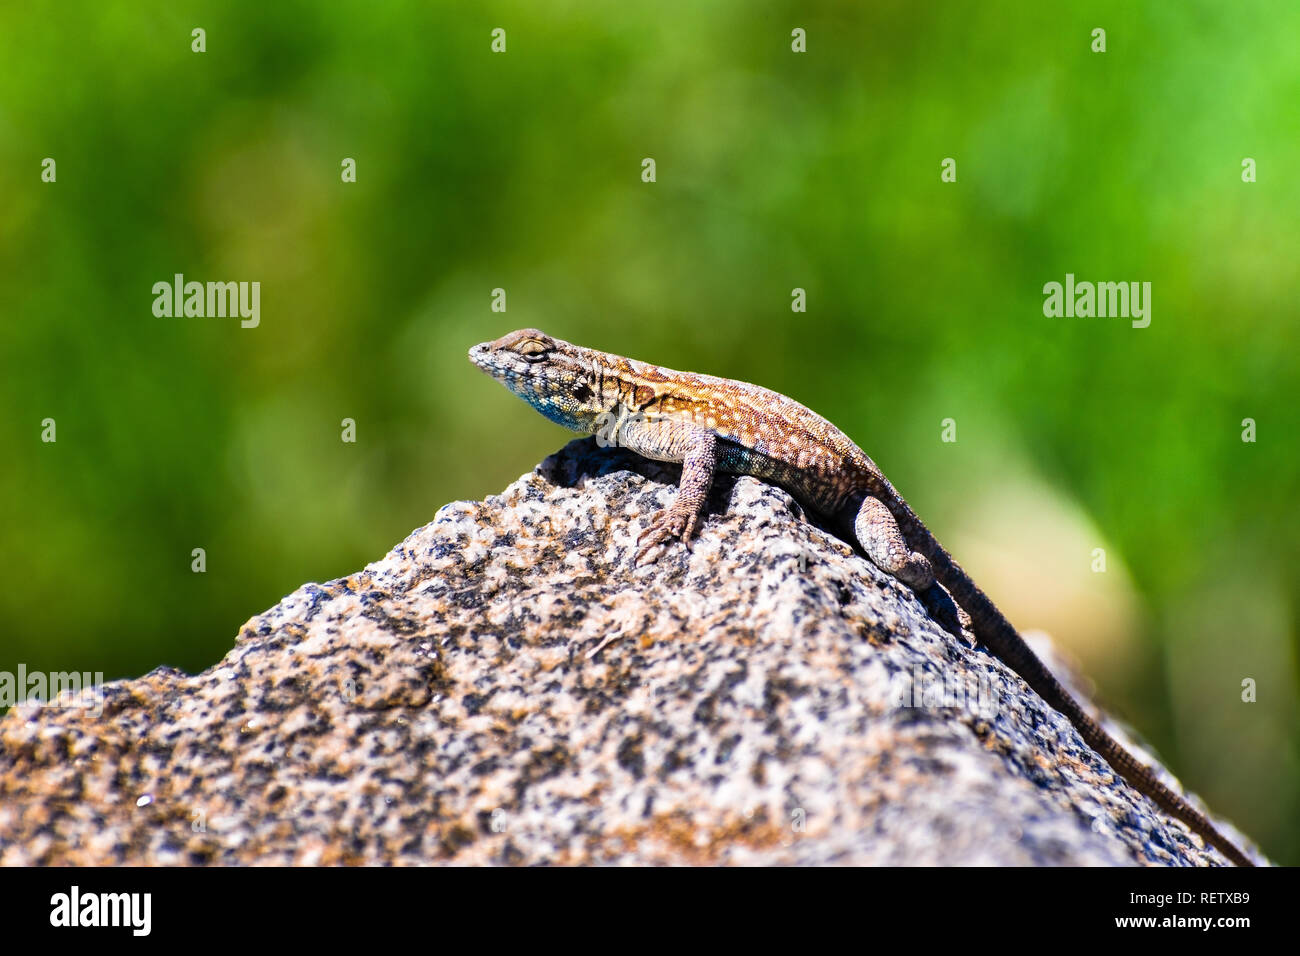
[(494, 363), (481, 356)]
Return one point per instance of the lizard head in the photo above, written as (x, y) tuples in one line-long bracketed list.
[(558, 379)]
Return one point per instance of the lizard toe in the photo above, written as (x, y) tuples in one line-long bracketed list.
[(665, 526)]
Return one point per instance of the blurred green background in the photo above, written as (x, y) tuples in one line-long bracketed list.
[(775, 170)]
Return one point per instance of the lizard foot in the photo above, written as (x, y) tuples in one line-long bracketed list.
[(665, 525)]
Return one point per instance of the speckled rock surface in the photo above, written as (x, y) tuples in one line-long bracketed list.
[(504, 687)]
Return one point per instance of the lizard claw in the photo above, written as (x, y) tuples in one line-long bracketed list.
[(665, 525)]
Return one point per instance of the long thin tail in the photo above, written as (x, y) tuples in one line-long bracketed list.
[(996, 632)]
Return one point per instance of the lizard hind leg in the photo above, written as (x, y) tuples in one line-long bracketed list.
[(879, 535)]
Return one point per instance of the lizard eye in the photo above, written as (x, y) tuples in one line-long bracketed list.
[(533, 351)]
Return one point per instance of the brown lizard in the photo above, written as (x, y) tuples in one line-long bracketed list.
[(712, 424)]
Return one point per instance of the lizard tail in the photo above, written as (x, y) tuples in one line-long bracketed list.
[(997, 633)]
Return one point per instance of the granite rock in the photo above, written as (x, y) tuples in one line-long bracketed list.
[(506, 687)]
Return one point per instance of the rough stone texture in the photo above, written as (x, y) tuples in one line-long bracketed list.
[(504, 687)]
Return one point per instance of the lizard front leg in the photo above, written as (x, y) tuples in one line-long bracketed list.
[(879, 535), (697, 449)]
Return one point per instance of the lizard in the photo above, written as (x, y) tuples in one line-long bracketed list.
[(716, 425)]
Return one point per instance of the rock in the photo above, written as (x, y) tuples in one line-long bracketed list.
[(505, 687)]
